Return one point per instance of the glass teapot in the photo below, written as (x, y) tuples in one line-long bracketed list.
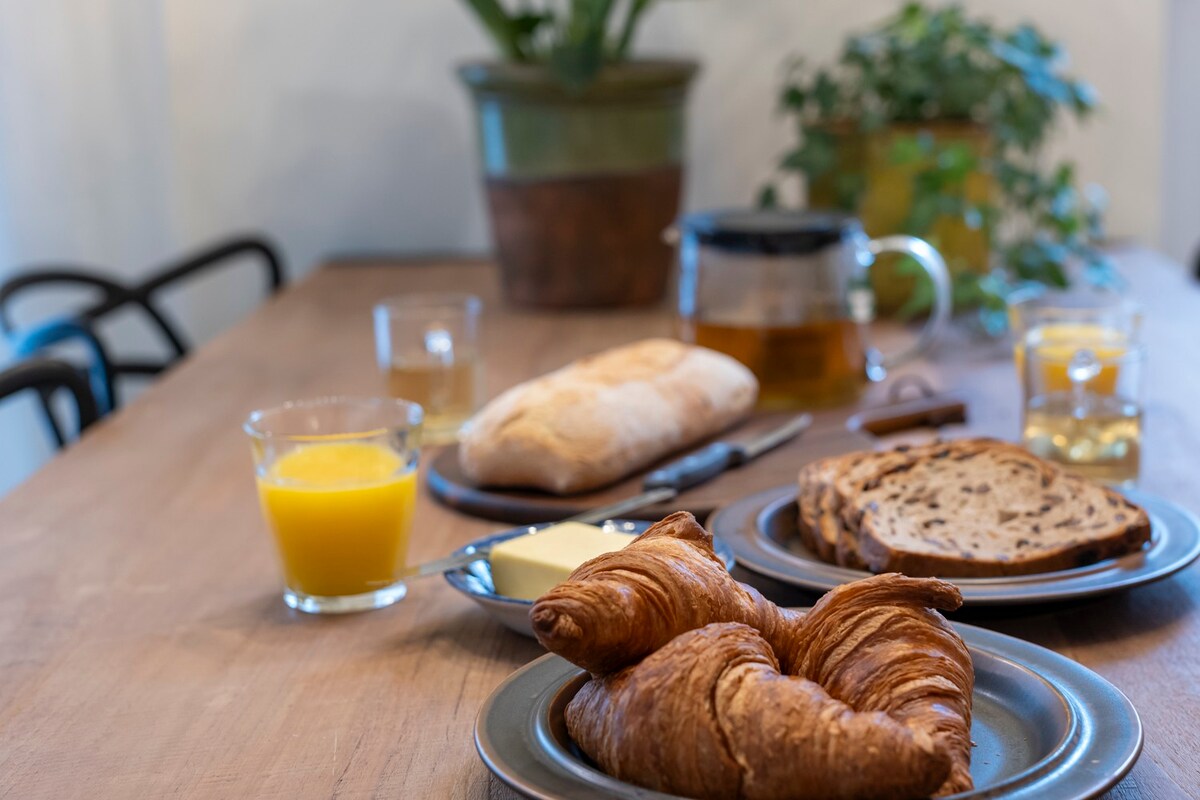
[(787, 294)]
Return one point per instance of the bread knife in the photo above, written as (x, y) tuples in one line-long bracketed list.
[(659, 486)]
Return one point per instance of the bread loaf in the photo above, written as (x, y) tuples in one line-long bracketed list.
[(968, 508), (602, 417)]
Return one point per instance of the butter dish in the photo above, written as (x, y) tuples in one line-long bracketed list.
[(475, 580)]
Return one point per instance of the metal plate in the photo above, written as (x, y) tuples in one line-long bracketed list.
[(761, 529), (1044, 727), (475, 580)]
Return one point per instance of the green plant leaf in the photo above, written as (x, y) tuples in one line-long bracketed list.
[(938, 64), (500, 26)]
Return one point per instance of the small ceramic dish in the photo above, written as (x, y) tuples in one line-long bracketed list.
[(475, 579)]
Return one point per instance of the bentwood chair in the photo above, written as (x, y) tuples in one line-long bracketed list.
[(46, 376), (111, 295)]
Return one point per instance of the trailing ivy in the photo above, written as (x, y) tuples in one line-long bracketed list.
[(933, 65)]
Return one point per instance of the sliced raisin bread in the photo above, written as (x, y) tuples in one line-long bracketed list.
[(972, 507), (823, 486)]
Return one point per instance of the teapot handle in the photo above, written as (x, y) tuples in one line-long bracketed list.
[(878, 364)]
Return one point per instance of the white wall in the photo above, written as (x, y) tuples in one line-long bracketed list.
[(1180, 232), (130, 129), (342, 123)]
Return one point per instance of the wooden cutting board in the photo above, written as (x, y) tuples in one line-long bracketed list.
[(830, 435)]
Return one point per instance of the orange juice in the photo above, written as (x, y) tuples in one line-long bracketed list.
[(1057, 343), (340, 513)]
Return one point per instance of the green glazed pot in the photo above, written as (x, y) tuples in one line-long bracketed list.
[(581, 184)]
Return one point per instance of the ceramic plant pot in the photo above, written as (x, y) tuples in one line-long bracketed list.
[(581, 184), (886, 199)]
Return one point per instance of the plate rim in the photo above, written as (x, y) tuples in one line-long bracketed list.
[(732, 520), (1086, 692)]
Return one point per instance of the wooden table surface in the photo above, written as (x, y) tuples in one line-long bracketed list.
[(145, 650)]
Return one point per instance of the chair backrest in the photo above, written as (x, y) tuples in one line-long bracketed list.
[(115, 295), (46, 376)]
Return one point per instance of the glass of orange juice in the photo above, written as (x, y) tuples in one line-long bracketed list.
[(337, 481)]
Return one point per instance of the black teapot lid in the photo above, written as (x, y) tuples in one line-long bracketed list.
[(768, 231)]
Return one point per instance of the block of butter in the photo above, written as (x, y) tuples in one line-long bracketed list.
[(529, 566)]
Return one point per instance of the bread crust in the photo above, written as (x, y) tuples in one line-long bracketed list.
[(602, 417)]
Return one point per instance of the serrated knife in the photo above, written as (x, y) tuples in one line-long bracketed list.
[(659, 486)]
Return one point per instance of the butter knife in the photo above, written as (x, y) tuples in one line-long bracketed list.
[(659, 486)]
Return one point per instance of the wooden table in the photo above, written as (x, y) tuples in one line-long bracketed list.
[(145, 650)]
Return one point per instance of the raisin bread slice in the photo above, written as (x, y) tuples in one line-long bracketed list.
[(825, 484), (978, 508), (814, 479)]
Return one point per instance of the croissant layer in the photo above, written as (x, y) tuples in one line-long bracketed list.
[(620, 607), (710, 716), (704, 688)]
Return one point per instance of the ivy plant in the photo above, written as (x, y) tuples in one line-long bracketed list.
[(574, 39), (930, 65)]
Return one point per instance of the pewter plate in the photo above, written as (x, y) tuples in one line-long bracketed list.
[(1044, 727), (761, 529), (475, 580)]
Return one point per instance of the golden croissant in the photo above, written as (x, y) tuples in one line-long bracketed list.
[(873, 700), (620, 607)]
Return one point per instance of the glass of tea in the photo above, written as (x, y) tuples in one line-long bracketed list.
[(426, 346), (787, 293), (1081, 361)]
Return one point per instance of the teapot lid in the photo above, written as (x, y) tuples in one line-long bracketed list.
[(769, 230)]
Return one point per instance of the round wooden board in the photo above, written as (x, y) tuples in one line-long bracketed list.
[(452, 488)]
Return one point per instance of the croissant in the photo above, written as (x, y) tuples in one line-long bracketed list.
[(710, 716), (878, 705), (876, 644), (619, 607)]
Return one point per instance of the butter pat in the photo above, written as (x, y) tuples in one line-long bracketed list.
[(529, 566)]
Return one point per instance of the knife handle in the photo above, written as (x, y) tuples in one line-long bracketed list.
[(692, 469)]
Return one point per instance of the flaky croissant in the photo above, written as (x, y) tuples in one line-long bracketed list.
[(875, 646), (620, 607), (710, 716)]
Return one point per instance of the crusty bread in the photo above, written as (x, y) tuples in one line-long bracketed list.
[(605, 416), (972, 508)]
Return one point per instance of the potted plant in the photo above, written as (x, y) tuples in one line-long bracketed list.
[(932, 124), (582, 151)]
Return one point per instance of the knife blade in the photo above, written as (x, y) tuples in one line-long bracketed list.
[(659, 486)]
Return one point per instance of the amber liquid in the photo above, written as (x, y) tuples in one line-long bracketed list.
[(447, 392), (809, 365), (1102, 442)]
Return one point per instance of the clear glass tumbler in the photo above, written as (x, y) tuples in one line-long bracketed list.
[(337, 481), (1083, 402), (426, 346)]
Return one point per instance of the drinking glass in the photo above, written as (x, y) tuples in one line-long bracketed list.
[(1101, 317), (337, 481), (1082, 401), (426, 346)]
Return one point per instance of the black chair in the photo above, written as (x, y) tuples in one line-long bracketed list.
[(47, 376), (113, 295)]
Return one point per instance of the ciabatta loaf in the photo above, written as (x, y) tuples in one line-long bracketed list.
[(969, 508), (602, 417)]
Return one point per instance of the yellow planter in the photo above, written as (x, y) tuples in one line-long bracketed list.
[(887, 199)]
